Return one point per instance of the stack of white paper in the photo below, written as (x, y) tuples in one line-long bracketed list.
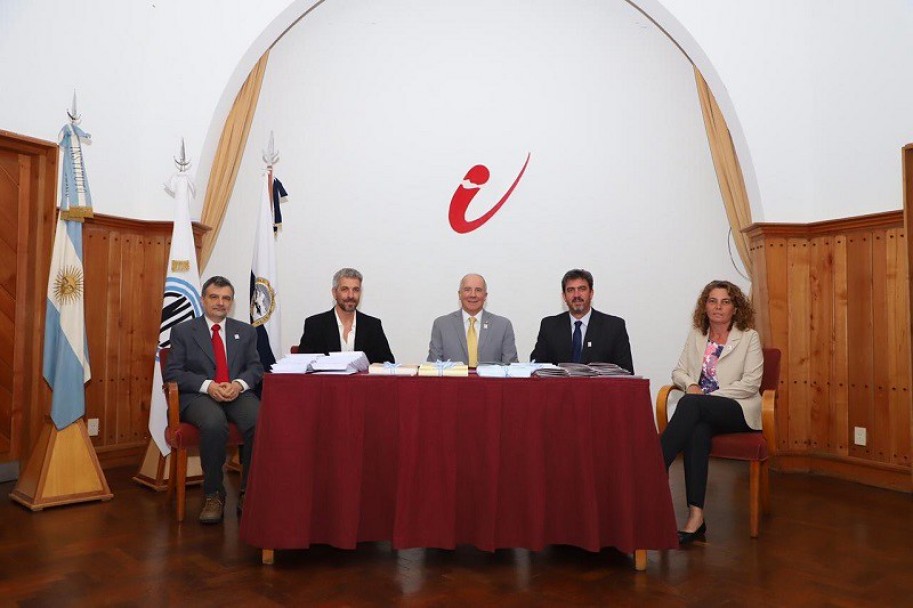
[(298, 363), (491, 371), (525, 370), (514, 370), (341, 363)]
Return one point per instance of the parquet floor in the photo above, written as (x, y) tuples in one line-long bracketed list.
[(827, 543)]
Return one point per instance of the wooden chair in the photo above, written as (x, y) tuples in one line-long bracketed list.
[(181, 436), (755, 447)]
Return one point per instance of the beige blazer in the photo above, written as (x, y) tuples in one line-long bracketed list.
[(738, 371)]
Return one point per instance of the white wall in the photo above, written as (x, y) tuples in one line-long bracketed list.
[(381, 108), (146, 74), (822, 94), (819, 89)]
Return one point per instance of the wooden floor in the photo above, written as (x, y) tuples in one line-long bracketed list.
[(827, 543)]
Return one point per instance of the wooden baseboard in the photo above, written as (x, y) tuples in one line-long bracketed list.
[(121, 456), (877, 474)]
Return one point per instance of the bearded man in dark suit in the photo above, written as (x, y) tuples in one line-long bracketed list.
[(343, 328), (582, 334)]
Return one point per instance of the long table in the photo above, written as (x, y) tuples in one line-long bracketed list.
[(439, 462)]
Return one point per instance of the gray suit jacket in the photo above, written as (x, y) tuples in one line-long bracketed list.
[(496, 339), (192, 361)]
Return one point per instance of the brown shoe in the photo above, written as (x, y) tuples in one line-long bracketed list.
[(213, 507)]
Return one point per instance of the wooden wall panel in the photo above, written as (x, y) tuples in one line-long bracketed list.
[(778, 336), (798, 342), (860, 341), (833, 296), (28, 172), (125, 274), (840, 379), (880, 446), (821, 320), (898, 350)]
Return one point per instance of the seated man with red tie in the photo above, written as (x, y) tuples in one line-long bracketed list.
[(215, 363)]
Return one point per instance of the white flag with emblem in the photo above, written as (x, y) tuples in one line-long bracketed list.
[(182, 298), (264, 289)]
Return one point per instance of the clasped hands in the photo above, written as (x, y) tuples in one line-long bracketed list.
[(224, 391)]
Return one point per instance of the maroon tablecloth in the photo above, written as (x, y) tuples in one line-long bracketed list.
[(437, 462)]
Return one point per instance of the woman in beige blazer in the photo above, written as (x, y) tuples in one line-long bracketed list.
[(720, 369)]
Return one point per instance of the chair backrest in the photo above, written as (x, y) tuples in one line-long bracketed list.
[(771, 378), (164, 352)]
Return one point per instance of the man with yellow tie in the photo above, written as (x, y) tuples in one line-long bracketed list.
[(472, 335)]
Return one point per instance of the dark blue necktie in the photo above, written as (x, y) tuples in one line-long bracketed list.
[(578, 342)]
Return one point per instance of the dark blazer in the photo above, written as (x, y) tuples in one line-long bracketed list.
[(321, 335), (606, 341), (191, 361)]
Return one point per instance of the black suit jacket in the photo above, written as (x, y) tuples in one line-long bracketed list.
[(321, 335), (191, 361), (606, 341)]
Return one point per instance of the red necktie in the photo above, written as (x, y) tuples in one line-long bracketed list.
[(218, 348)]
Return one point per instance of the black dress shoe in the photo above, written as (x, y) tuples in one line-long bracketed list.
[(687, 537)]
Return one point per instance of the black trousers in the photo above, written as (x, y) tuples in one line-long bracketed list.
[(696, 420), (212, 418)]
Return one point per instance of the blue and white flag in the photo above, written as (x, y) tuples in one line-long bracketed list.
[(264, 288), (66, 350), (182, 297), (74, 191)]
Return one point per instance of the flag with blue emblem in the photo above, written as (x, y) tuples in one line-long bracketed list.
[(264, 287), (66, 350), (182, 297)]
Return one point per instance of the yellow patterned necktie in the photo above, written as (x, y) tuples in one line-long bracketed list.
[(472, 343)]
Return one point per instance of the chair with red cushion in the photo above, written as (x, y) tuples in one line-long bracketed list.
[(755, 447), (181, 436)]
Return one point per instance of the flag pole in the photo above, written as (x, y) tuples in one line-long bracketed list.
[(63, 467), (181, 302)]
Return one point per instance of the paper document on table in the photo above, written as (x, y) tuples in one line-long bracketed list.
[(609, 369), (514, 370), (444, 368), (581, 370), (297, 363), (393, 369), (341, 363)]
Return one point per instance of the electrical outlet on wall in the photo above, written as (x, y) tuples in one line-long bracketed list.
[(93, 427), (859, 435)]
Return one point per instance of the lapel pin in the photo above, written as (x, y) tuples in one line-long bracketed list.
[(484, 325), (589, 345), (237, 337)]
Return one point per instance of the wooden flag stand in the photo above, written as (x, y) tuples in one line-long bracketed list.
[(154, 470), (63, 469)]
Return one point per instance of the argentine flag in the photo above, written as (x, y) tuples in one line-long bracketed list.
[(181, 301), (66, 351)]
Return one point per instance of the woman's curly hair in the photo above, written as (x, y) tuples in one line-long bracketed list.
[(744, 313)]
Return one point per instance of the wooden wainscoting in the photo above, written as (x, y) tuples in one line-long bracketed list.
[(833, 296), (28, 176), (125, 277)]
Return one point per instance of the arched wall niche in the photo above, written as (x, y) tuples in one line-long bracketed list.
[(654, 10), (619, 140)]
